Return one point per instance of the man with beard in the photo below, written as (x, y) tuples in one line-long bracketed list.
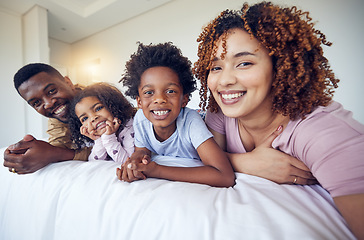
[(50, 94)]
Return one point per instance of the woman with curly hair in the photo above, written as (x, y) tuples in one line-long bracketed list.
[(167, 132), (101, 116), (268, 90)]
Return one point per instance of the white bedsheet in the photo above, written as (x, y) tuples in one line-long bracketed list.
[(84, 200)]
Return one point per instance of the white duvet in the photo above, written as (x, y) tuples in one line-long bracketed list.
[(84, 200)]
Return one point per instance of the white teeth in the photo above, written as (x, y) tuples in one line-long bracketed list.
[(98, 125), (60, 109), (159, 113), (231, 96)]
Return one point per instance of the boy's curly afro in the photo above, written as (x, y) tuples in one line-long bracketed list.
[(163, 55)]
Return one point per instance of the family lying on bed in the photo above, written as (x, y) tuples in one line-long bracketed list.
[(270, 111)]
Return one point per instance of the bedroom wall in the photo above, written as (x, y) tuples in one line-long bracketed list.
[(12, 107), (23, 39), (180, 21), (102, 57)]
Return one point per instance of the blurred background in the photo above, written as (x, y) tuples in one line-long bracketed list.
[(91, 40)]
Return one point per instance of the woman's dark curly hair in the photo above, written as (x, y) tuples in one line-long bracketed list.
[(159, 55), (112, 99), (302, 77)]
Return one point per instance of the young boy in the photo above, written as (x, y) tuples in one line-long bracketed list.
[(161, 81)]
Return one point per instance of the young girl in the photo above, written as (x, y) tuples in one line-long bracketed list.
[(100, 114), (161, 81)]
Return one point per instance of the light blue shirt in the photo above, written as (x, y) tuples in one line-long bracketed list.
[(191, 131)]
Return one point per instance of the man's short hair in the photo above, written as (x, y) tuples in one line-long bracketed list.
[(28, 71)]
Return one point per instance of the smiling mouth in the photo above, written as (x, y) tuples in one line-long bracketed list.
[(60, 109), (161, 113), (99, 124), (232, 96)]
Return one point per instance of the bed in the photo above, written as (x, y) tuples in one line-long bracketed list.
[(84, 200)]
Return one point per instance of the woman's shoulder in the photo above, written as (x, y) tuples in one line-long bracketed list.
[(333, 115), (325, 127)]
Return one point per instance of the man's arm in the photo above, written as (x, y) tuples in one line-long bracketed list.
[(60, 136), (30, 155)]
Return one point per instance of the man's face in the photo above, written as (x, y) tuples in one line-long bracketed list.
[(50, 95)]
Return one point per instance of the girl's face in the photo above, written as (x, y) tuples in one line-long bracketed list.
[(241, 81), (161, 98), (93, 114)]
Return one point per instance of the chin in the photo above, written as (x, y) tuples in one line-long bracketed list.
[(61, 119), (231, 112)]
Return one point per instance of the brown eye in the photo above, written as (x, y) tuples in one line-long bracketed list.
[(83, 119), (52, 91), (35, 104)]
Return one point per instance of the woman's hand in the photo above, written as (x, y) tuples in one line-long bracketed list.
[(272, 164)]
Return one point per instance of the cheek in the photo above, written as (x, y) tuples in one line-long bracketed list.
[(211, 82)]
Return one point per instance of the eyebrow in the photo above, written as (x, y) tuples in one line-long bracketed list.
[(169, 84), (83, 114), (44, 89), (239, 54)]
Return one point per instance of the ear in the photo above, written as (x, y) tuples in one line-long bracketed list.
[(185, 100), (139, 102), (69, 82)]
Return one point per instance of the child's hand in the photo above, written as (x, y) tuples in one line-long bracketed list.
[(84, 131), (112, 127), (146, 166), (126, 173)]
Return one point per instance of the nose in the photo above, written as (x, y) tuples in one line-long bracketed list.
[(159, 97), (48, 103), (227, 77), (94, 117)]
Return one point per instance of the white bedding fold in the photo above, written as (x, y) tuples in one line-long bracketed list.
[(84, 200)]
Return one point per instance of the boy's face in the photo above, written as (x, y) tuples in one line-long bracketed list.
[(161, 99), (49, 95)]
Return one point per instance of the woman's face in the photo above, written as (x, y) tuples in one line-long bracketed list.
[(241, 81)]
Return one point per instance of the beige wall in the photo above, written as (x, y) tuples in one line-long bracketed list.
[(12, 106), (179, 21)]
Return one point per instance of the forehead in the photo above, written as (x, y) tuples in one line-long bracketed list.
[(36, 85), (90, 100), (237, 40), (158, 76), (86, 103)]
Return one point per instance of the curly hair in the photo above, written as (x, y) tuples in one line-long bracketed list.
[(29, 70), (302, 77), (163, 55), (112, 99)]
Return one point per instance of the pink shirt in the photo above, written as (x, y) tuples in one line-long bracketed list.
[(114, 147), (329, 141)]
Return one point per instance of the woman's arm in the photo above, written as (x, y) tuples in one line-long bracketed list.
[(352, 209), (267, 162)]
